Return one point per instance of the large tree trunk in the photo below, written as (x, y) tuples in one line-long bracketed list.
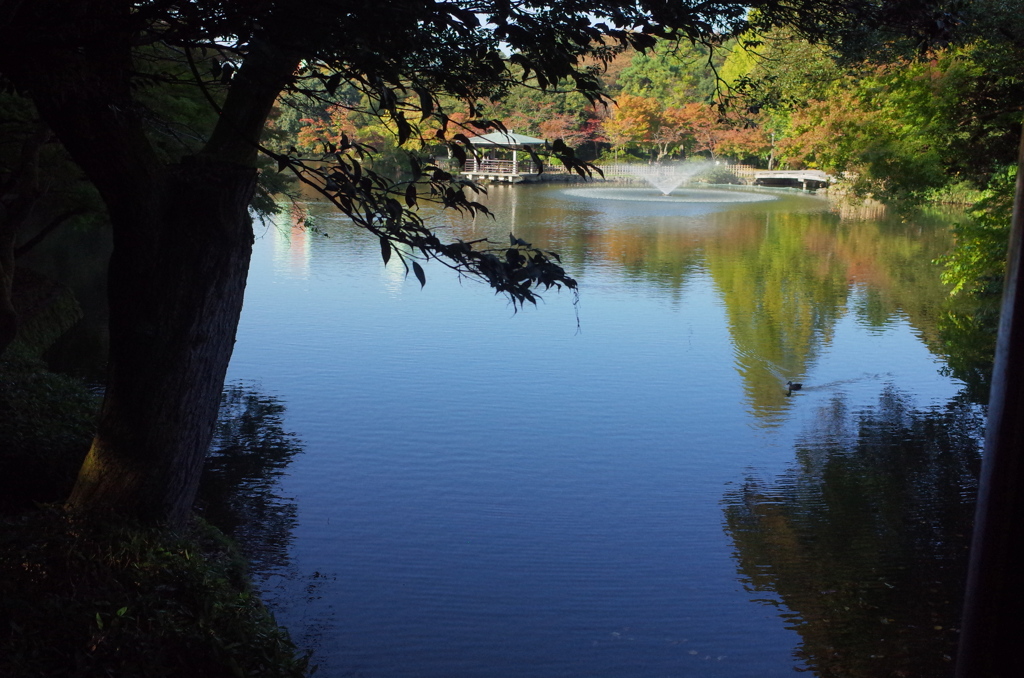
[(182, 241), (176, 290), (176, 297), (8, 316), (994, 605)]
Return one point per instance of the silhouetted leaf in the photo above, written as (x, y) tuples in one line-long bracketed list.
[(426, 103), (420, 275), (460, 154), (404, 128), (385, 250), (332, 83)]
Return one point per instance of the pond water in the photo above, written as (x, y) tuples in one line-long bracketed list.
[(618, 487)]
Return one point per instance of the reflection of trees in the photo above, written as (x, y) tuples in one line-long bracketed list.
[(865, 542), (249, 454), (659, 252), (782, 298), (968, 329), (786, 278), (893, 262)]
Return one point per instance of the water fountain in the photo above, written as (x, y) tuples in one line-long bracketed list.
[(667, 178), (669, 186)]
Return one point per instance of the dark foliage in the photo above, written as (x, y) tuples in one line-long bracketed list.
[(106, 598), (46, 422)]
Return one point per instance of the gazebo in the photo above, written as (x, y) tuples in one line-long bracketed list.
[(493, 168)]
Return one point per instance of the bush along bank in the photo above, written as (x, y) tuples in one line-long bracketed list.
[(102, 597)]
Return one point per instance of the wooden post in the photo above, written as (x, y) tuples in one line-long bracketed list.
[(993, 621)]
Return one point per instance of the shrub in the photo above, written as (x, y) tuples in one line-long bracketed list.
[(718, 175), (46, 423), (100, 597)]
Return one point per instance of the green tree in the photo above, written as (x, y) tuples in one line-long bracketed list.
[(974, 270), (903, 123), (898, 127), (674, 74)]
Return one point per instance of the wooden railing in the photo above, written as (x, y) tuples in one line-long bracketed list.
[(628, 170), (491, 166), (611, 171)]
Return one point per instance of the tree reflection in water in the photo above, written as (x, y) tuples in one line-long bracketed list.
[(239, 491), (864, 543)]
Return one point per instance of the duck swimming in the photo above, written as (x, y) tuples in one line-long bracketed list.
[(793, 387)]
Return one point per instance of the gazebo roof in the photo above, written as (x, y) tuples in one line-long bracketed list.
[(505, 139)]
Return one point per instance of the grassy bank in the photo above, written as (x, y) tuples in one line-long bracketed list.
[(105, 597)]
